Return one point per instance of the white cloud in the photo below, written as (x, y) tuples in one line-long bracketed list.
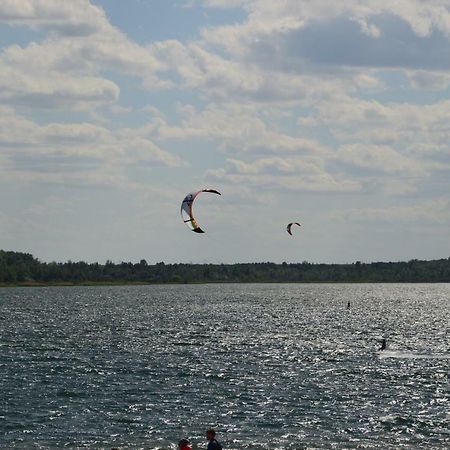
[(66, 69), (236, 128), (430, 211), (74, 152), (194, 66), (74, 17), (421, 16), (53, 90), (369, 29), (407, 125), (379, 158), (291, 174), (269, 33)]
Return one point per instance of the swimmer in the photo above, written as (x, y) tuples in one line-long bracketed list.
[(213, 444)]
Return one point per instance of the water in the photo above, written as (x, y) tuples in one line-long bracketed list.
[(270, 366)]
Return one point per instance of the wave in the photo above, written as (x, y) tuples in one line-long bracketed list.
[(402, 354)]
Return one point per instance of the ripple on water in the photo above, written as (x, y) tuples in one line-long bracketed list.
[(271, 366)]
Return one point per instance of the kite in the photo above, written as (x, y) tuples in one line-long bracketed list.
[(186, 209), (288, 228)]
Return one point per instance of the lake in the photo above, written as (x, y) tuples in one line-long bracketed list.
[(270, 366)]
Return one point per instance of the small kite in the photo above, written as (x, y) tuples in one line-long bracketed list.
[(288, 228), (186, 209)]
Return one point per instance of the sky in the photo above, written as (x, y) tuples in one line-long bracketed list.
[(332, 114)]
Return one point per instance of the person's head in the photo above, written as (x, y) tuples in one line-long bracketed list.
[(184, 444), (210, 434)]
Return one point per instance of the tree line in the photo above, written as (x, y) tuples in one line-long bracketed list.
[(23, 268)]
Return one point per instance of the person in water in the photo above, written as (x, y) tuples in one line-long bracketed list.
[(383, 345), (184, 444), (213, 444)]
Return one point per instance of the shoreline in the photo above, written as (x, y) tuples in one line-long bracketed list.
[(175, 283)]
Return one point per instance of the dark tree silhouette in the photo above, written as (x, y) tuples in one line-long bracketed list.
[(23, 268)]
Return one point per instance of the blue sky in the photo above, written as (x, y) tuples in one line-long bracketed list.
[(331, 114)]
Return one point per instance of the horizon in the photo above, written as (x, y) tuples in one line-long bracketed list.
[(334, 117)]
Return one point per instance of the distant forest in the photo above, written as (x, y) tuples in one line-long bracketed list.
[(23, 268)]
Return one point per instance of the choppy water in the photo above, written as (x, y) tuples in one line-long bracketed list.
[(270, 366)]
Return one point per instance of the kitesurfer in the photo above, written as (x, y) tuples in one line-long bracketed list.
[(213, 444), (348, 305), (383, 345), (184, 444)]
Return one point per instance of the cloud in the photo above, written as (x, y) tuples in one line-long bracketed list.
[(352, 169), (74, 18), (295, 36), (430, 211), (379, 158), (194, 66), (248, 76), (307, 50), (289, 174), (69, 71), (267, 17), (295, 53), (74, 152), (74, 133), (235, 128), (436, 81), (406, 125), (341, 42), (66, 70), (54, 90)]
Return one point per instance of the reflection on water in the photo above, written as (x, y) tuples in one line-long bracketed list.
[(412, 355), (270, 366)]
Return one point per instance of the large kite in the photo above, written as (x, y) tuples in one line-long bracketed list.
[(186, 209)]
